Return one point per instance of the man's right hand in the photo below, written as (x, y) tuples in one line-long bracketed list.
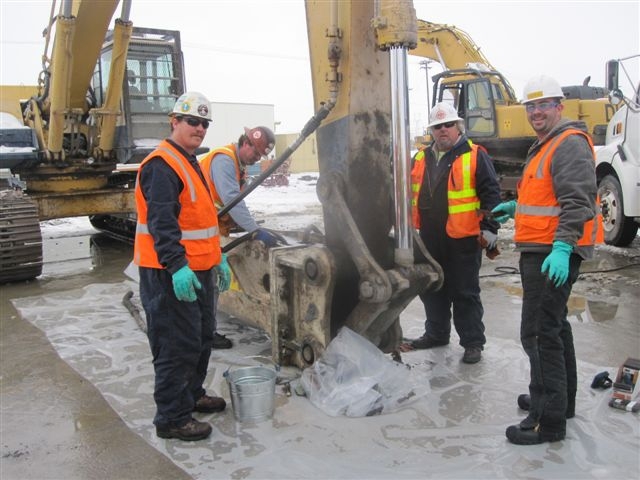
[(185, 284), (504, 211), (266, 237)]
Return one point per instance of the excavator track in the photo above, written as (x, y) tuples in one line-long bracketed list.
[(20, 238)]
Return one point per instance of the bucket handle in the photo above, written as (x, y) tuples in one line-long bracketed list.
[(276, 365)]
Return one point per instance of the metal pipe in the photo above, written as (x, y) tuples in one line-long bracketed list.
[(401, 155), (126, 10)]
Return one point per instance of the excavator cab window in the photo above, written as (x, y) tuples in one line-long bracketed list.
[(152, 82), (478, 111)]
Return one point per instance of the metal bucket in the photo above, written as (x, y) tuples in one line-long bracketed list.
[(252, 391)]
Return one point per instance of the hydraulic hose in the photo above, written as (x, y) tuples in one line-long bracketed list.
[(307, 130)]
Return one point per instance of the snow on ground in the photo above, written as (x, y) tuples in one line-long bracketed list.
[(290, 207)]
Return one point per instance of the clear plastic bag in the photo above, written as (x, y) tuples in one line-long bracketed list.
[(354, 378)]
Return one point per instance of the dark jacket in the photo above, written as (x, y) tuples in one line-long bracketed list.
[(432, 199)]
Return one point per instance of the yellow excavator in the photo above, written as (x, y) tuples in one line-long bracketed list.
[(361, 270), (101, 100), (494, 118)]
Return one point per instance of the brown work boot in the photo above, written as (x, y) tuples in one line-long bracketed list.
[(209, 404), (191, 431)]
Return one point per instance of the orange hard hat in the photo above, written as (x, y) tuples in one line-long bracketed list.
[(262, 138)]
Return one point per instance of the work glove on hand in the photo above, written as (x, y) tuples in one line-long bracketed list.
[(184, 284), (557, 263), (507, 209), (265, 237), (490, 239), (224, 274)]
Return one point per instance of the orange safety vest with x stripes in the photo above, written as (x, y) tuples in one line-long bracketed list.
[(198, 219), (226, 223), (538, 210), (463, 202)]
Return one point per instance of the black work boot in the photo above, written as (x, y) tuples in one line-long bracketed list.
[(472, 355), (518, 436), (191, 431), (425, 342), (524, 402), (220, 342)]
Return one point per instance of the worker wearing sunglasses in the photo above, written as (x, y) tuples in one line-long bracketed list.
[(452, 181), (177, 250)]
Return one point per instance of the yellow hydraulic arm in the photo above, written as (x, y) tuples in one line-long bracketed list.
[(448, 45)]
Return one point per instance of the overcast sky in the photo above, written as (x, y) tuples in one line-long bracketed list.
[(256, 51)]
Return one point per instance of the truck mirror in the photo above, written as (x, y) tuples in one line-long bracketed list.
[(612, 75), (615, 96)]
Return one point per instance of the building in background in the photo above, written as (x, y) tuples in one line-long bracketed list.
[(229, 120), (305, 158)]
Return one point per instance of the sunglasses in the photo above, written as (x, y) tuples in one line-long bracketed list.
[(543, 106), (194, 122), (448, 125)]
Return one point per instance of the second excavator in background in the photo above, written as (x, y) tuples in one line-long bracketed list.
[(484, 98)]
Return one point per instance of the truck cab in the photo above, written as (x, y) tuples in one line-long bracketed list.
[(618, 161)]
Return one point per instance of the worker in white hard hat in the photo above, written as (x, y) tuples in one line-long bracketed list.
[(556, 226), (177, 250), (452, 182)]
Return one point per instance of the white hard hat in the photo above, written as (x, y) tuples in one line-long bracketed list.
[(194, 104), (442, 113), (541, 87)]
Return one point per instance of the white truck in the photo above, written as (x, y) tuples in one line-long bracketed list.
[(618, 161)]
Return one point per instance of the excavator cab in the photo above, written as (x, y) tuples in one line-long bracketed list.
[(154, 79), (476, 95)]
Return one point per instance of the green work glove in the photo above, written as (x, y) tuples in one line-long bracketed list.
[(184, 284), (507, 209), (557, 263), (224, 274)]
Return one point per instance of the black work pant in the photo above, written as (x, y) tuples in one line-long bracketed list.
[(180, 337), (547, 339), (460, 260)]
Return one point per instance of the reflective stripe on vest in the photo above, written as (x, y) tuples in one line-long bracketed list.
[(230, 151), (417, 174), (537, 211), (198, 220), (463, 220), (463, 203)]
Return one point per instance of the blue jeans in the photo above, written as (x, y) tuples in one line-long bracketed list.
[(547, 339), (180, 337)]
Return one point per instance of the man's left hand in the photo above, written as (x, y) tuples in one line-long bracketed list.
[(557, 263), (490, 239), (224, 274)]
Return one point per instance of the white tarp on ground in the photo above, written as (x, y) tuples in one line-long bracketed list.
[(456, 431)]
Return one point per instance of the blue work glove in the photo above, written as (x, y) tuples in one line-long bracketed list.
[(557, 263), (265, 237), (184, 284), (507, 209), (224, 274), (490, 238)]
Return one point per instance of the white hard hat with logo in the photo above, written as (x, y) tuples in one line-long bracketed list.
[(194, 104), (541, 87), (443, 113)]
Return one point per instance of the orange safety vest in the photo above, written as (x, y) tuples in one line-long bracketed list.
[(225, 222), (463, 202), (198, 218), (537, 210)]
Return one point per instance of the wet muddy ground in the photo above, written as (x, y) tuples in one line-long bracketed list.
[(76, 388)]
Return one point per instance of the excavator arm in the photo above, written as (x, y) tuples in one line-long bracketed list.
[(369, 264), (449, 46)]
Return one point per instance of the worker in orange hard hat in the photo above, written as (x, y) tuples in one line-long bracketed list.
[(225, 169)]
